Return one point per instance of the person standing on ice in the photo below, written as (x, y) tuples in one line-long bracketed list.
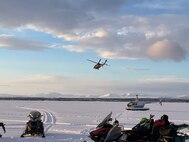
[(3, 126)]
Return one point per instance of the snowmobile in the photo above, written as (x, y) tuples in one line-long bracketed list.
[(34, 127), (103, 128), (142, 133), (3, 126), (99, 135), (139, 133), (172, 133)]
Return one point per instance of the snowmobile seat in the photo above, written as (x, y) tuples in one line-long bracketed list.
[(144, 128), (34, 129), (172, 139)]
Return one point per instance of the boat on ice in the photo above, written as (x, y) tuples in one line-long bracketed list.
[(136, 105)]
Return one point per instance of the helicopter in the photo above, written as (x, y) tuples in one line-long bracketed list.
[(98, 64), (138, 105)]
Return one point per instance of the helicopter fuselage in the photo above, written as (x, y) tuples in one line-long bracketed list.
[(97, 66)]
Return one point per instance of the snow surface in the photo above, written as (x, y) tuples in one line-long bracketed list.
[(71, 121)]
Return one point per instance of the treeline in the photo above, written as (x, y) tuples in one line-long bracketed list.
[(95, 99)]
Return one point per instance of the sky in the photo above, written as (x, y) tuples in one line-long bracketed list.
[(44, 47)]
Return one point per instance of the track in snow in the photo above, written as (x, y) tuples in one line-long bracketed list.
[(48, 120)]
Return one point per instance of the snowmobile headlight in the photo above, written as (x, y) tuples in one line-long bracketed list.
[(33, 119)]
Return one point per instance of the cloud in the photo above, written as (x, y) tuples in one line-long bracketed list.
[(162, 79), (108, 28), (164, 86), (137, 69), (166, 49), (84, 86), (104, 6), (13, 43), (42, 83), (162, 5)]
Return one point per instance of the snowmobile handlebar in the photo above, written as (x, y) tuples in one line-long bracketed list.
[(3, 126)]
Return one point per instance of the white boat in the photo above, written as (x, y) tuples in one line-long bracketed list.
[(136, 105)]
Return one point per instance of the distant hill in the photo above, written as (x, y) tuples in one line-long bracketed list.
[(54, 95), (107, 97), (182, 97)]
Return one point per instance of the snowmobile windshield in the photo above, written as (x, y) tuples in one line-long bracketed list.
[(113, 134), (35, 115), (105, 121)]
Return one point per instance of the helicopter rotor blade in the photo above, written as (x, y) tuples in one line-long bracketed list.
[(91, 61), (99, 61), (107, 64)]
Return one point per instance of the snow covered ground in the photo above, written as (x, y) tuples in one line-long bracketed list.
[(72, 121)]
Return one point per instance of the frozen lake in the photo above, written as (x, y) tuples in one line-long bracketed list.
[(71, 121)]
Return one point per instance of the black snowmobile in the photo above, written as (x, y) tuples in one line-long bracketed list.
[(34, 127), (139, 133), (3, 126), (172, 133)]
